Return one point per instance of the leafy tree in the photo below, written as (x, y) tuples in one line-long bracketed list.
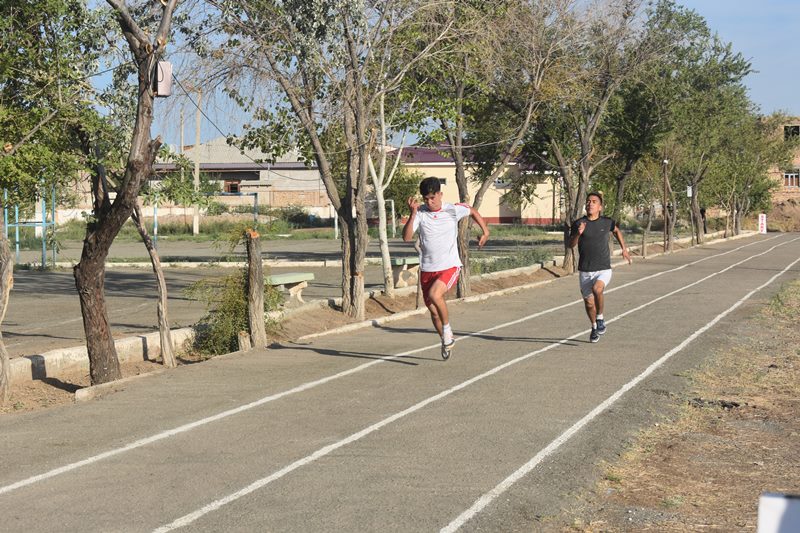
[(48, 53), (484, 93)]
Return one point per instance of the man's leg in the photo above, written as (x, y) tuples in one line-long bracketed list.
[(438, 306), (597, 292), (591, 310)]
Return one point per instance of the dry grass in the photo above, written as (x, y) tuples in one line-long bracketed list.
[(738, 435)]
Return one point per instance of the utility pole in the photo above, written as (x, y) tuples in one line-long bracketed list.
[(196, 217)]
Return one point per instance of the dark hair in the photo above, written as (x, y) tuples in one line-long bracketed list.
[(429, 185), (598, 194)]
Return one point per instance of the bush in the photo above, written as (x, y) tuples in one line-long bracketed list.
[(226, 299), (216, 208)]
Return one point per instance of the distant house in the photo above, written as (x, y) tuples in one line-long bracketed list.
[(788, 178), (545, 207), (242, 175)]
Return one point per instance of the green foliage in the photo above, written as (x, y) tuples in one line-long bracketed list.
[(404, 184), (226, 300), (49, 49)]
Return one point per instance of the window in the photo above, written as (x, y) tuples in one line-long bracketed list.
[(791, 179), (232, 186), (791, 131)]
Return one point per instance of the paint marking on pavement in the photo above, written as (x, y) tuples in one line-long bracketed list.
[(504, 485), (311, 384), (322, 452)]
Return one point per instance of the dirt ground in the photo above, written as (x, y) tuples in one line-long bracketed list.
[(41, 394), (733, 437), (785, 215)]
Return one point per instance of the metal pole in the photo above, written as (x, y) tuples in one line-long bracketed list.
[(394, 227), (255, 208), (196, 217), (54, 225), (44, 230), (16, 231), (5, 212), (664, 204), (155, 222)]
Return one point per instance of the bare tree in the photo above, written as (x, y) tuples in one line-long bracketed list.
[(108, 215)]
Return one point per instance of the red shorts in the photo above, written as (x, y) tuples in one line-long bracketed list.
[(427, 279)]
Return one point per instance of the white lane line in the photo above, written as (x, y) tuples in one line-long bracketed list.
[(306, 386), (260, 483), (504, 485)]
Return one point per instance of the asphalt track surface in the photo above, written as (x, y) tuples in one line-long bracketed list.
[(371, 431)]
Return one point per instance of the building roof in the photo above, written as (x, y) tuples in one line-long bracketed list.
[(425, 155), (238, 167)]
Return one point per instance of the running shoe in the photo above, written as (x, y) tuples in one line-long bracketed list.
[(447, 349), (594, 336), (601, 326)]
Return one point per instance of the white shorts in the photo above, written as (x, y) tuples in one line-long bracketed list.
[(587, 280)]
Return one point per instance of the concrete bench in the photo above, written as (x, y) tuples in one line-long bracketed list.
[(405, 271), (294, 282)]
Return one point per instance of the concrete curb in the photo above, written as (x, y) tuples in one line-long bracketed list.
[(95, 391), (49, 364)]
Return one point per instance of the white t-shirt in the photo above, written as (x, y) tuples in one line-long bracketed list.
[(438, 236)]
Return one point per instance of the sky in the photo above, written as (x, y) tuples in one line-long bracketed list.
[(763, 31)]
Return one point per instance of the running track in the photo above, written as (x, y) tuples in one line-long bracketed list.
[(371, 431)]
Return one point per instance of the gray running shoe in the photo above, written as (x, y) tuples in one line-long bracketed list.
[(601, 326), (594, 336), (447, 349)]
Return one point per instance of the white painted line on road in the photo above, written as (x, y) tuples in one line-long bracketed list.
[(504, 485), (300, 388), (260, 483)]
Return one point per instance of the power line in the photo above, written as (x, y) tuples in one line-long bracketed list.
[(268, 167)]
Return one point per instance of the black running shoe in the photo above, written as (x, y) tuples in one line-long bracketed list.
[(601, 326), (594, 336)]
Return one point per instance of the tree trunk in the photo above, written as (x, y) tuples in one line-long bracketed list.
[(109, 217), (90, 282), (164, 333), (6, 283), (697, 217), (255, 290), (650, 212), (383, 241), (620, 193)]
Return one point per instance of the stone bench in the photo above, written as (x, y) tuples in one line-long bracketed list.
[(405, 271), (294, 282)]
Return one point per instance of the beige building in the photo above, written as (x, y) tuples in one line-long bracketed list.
[(544, 209), (244, 177), (788, 178)]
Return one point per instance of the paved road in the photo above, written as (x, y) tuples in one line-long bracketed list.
[(371, 431), (32, 328)]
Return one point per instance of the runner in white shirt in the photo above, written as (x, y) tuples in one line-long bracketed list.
[(440, 264)]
